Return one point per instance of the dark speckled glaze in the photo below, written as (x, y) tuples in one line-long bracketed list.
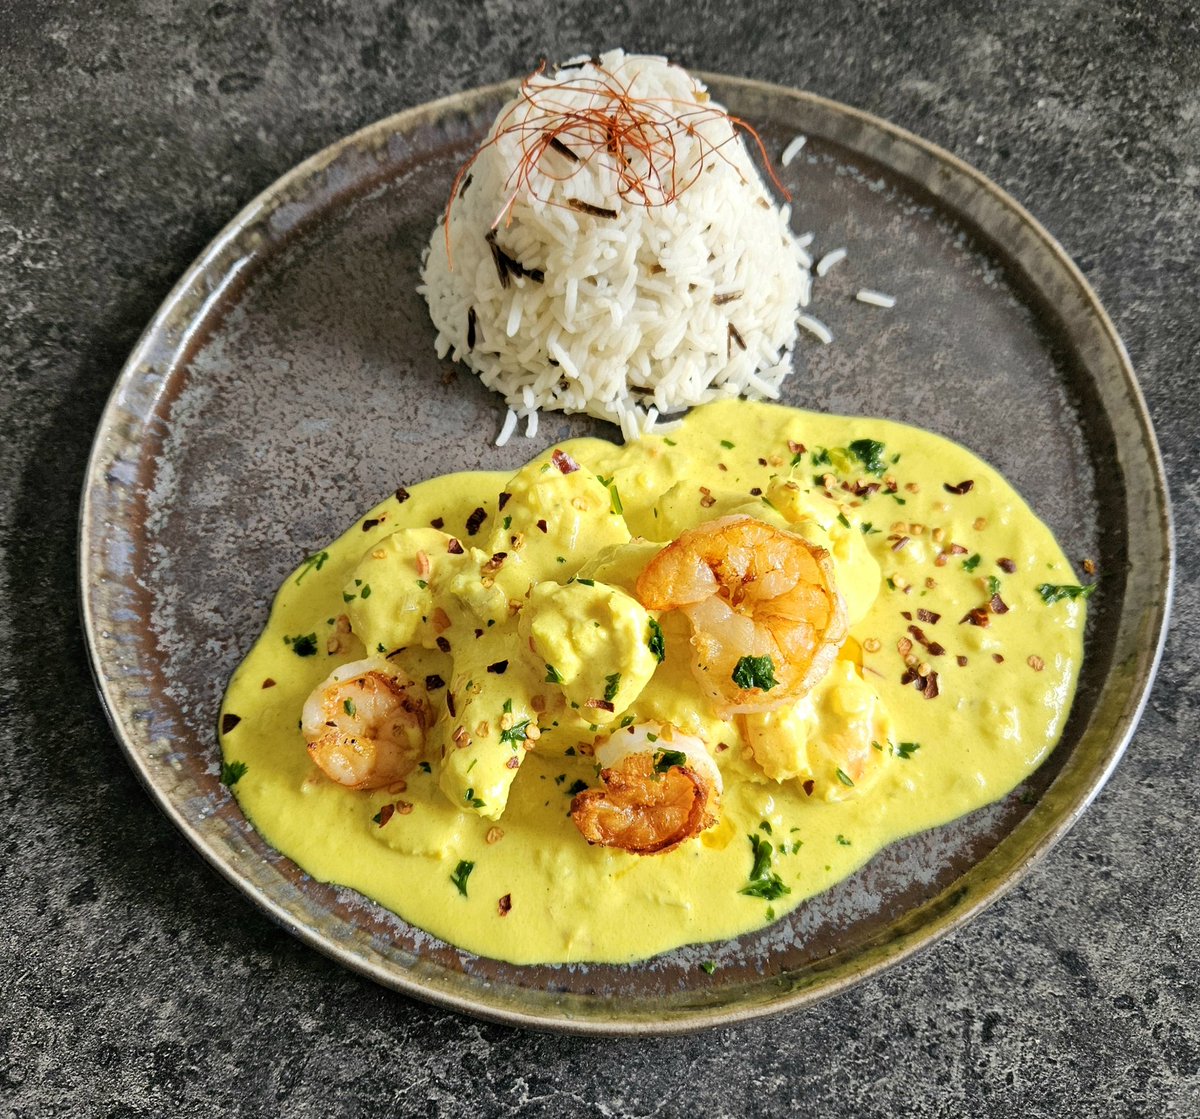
[(289, 382)]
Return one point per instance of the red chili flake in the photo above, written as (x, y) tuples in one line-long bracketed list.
[(940, 560), (268, 683), (499, 668), (1005, 564), (906, 615), (762, 462), (961, 488), (433, 681), (934, 648), (443, 644), (542, 525), (228, 722), (475, 520), (513, 763), (370, 523), (957, 550), (504, 905), (928, 686), (565, 463), (998, 658), (402, 495), (910, 674), (928, 616), (756, 491), (861, 488), (454, 547), (998, 605), (722, 747), (450, 705), (503, 501), (478, 633), (962, 662), (900, 543), (977, 617), (438, 523), (386, 813), (796, 448), (599, 704)]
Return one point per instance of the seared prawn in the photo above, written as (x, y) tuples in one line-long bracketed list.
[(660, 789), (364, 727), (767, 618)]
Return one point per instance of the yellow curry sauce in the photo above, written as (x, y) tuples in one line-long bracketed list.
[(953, 686)]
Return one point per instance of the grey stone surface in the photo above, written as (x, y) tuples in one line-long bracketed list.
[(135, 982)]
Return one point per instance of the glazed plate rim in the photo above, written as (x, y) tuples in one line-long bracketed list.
[(1045, 825)]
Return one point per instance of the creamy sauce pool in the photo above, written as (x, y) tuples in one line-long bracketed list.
[(919, 567)]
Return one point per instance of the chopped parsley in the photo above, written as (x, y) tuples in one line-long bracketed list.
[(426, 767), (553, 676), (867, 528), (971, 562), (870, 453), (576, 787), (312, 563), (708, 967), (507, 522), (726, 444), (366, 591), (665, 759), (843, 841), (1052, 593), (586, 582), (993, 585), (764, 882), (232, 773), (670, 442), (461, 873), (612, 685), (655, 642), (470, 797), (821, 457), (349, 707), (303, 645), (420, 583), (515, 733), (905, 749), (755, 672)]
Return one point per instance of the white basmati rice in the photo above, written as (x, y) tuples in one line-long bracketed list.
[(792, 150), (829, 260), (815, 327), (875, 298), (509, 426), (583, 300)]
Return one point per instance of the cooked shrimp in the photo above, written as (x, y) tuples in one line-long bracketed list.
[(767, 618), (365, 729), (660, 788)]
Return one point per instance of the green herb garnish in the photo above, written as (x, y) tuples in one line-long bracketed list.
[(844, 522), (870, 453), (1052, 593), (577, 787), (515, 733), (656, 643), (844, 778), (665, 759), (993, 585), (553, 676), (312, 563), (764, 882), (708, 967), (304, 645), (726, 444), (971, 562), (349, 707), (755, 672), (612, 685), (470, 797), (232, 773), (905, 749), (461, 873)]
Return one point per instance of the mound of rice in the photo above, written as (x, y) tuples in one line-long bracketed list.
[(565, 288)]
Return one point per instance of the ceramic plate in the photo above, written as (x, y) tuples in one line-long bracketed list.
[(289, 382)]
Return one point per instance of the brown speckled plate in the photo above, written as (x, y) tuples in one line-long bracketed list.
[(289, 382)]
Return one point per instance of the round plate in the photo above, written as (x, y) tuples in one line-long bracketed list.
[(289, 382)]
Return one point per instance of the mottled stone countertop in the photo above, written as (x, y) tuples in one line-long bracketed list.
[(136, 982)]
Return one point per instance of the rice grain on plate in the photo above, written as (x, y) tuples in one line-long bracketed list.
[(613, 250)]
